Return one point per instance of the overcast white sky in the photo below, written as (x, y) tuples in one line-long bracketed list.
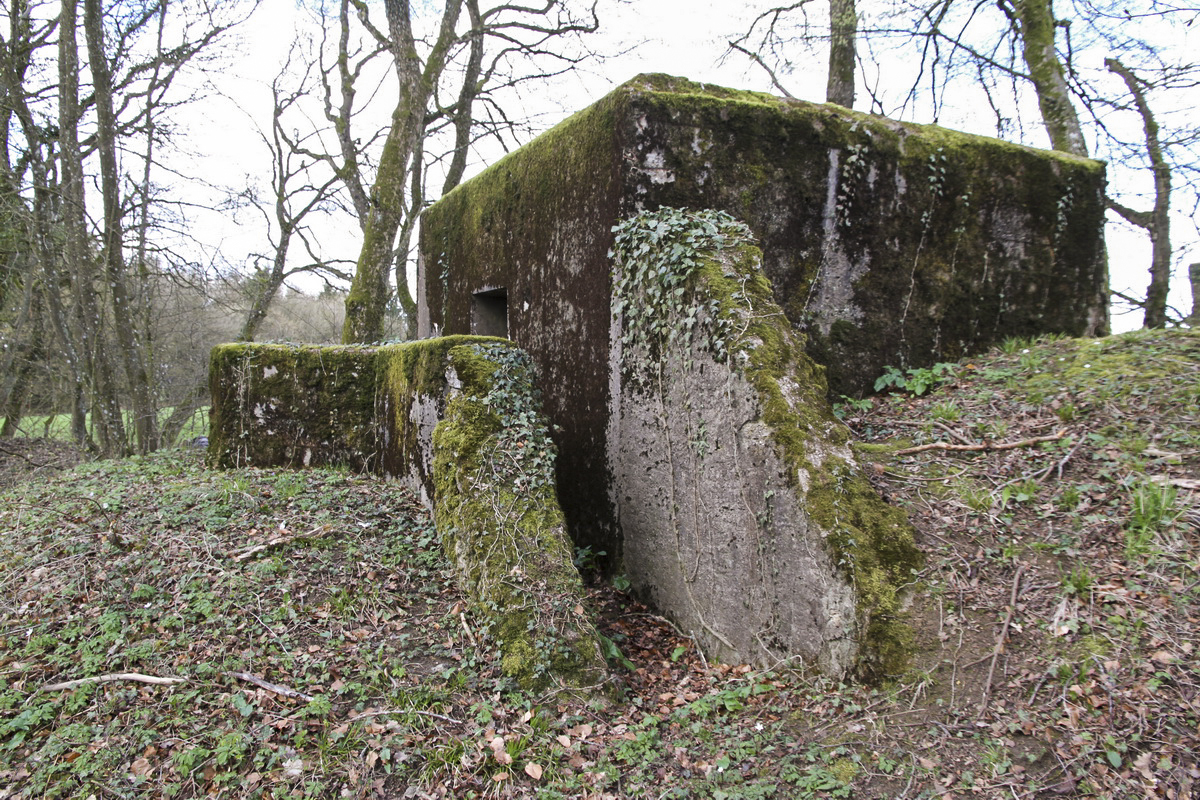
[(680, 37)]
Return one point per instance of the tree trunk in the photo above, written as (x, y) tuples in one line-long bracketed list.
[(843, 28), (368, 297), (105, 405), (1158, 222), (31, 352), (129, 334), (1194, 277), (1036, 21)]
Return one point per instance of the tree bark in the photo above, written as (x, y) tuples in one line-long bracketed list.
[(128, 329), (1036, 22), (30, 353), (1158, 222), (1194, 277), (104, 402), (843, 28)]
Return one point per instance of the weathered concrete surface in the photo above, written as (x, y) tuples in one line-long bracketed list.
[(886, 243), (457, 419), (278, 405), (746, 516)]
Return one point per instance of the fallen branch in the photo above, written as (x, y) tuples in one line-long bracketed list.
[(985, 447), (270, 687), (463, 618), (275, 542), (430, 714), (937, 424), (1001, 638), (111, 678)]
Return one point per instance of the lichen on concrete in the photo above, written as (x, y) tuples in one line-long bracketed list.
[(747, 518)]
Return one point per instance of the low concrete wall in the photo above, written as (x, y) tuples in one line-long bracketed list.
[(458, 420)]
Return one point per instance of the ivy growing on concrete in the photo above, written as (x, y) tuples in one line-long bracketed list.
[(523, 441), (655, 254)]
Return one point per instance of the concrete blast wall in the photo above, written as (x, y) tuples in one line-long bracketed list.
[(458, 420), (746, 516)]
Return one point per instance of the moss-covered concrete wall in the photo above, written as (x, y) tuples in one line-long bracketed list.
[(282, 405), (537, 225), (886, 243), (458, 419), (746, 516)]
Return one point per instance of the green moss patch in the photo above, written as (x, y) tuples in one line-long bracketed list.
[(498, 513)]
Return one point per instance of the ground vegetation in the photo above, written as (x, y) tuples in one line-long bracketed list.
[(170, 631)]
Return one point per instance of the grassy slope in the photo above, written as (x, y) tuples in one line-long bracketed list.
[(1056, 621)]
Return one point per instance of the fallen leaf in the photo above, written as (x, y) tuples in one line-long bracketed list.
[(499, 752), (534, 771), (565, 741), (141, 767)]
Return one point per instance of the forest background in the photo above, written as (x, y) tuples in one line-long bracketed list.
[(177, 173)]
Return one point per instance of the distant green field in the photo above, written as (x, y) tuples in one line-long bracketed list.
[(58, 426)]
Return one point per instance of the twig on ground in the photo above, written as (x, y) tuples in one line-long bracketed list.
[(430, 714), (462, 617), (113, 677), (1041, 476), (936, 424), (1001, 638), (984, 447), (270, 687), (275, 542)]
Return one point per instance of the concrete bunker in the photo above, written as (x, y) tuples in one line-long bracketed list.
[(692, 269), (885, 244)]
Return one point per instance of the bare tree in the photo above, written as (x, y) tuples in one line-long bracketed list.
[(1157, 221), (779, 34), (469, 57), (130, 337), (89, 313), (1035, 25), (85, 279), (296, 194)]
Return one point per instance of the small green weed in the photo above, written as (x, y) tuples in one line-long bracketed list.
[(844, 407), (917, 380), (1078, 582), (946, 411), (1153, 506)]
